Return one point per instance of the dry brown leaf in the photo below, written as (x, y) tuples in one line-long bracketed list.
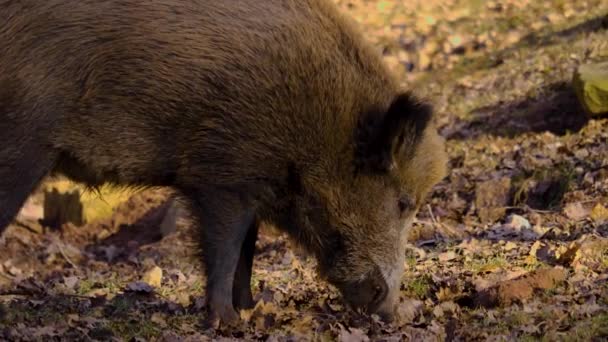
[(304, 326), (447, 293), (352, 335), (520, 289), (70, 282), (591, 252), (473, 246), (576, 211), (158, 318), (408, 310), (491, 198), (446, 309), (447, 256)]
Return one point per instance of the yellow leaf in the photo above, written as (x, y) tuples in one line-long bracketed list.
[(153, 277), (599, 213)]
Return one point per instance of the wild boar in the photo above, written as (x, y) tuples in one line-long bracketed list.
[(274, 110)]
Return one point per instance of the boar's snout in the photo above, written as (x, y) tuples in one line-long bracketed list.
[(370, 294)]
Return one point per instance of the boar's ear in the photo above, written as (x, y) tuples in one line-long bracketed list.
[(385, 136)]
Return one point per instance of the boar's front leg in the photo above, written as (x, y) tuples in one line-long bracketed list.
[(226, 216), (242, 297), (24, 160)]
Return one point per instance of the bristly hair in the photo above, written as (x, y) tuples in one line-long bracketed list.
[(383, 135)]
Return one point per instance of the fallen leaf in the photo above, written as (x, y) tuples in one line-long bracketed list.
[(408, 310), (491, 198), (592, 253), (304, 326), (153, 276), (170, 336), (447, 293), (70, 282), (473, 246), (140, 286), (509, 246), (576, 211), (158, 319), (518, 222), (73, 318), (520, 289), (599, 214), (446, 309), (352, 335), (447, 256)]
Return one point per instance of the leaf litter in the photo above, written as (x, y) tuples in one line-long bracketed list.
[(512, 245)]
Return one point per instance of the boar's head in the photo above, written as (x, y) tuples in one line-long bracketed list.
[(353, 216)]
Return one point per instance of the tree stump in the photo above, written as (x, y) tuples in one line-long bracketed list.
[(65, 201), (591, 86)]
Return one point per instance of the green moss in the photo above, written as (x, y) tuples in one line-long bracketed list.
[(592, 328), (131, 329), (486, 265), (418, 287)]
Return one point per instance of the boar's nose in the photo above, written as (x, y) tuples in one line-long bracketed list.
[(368, 293)]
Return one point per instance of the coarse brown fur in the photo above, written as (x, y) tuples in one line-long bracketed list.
[(273, 110)]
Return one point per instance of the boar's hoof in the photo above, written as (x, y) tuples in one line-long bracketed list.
[(245, 303), (222, 316)]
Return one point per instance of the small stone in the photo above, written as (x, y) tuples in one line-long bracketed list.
[(518, 222), (590, 83)]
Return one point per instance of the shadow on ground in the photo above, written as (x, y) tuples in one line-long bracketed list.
[(129, 237), (130, 314), (538, 39), (555, 110), (542, 38)]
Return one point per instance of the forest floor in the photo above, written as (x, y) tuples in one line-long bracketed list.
[(512, 245)]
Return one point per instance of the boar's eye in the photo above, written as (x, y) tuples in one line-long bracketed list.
[(405, 204)]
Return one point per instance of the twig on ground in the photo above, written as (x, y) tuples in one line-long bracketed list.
[(428, 207), (64, 255)]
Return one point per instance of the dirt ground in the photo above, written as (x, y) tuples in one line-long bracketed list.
[(512, 245)]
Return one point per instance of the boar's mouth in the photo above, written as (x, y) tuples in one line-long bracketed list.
[(368, 293)]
